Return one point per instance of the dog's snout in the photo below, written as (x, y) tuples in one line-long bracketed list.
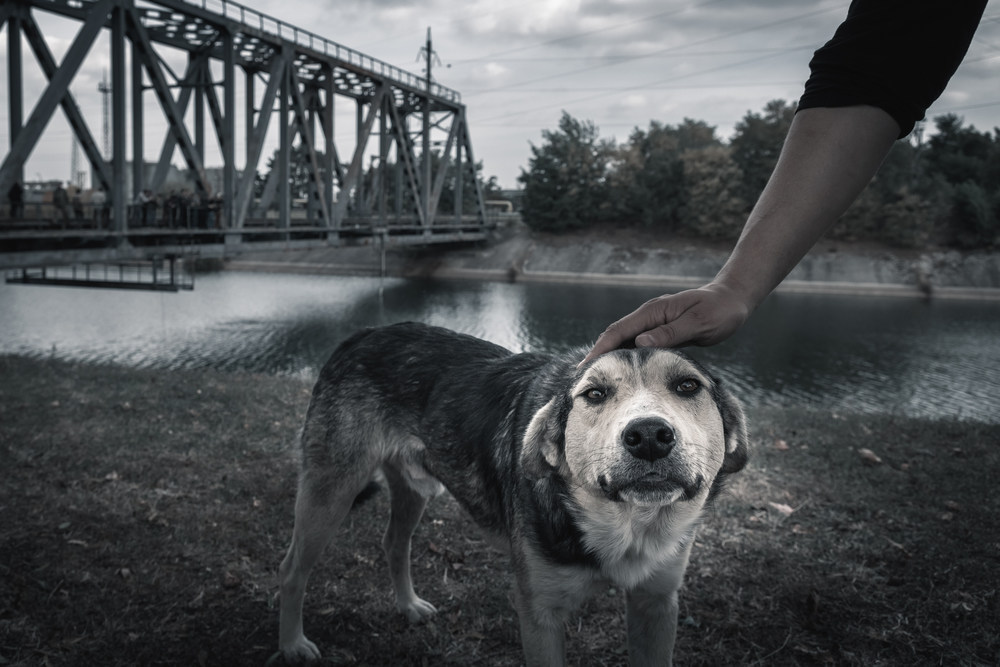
[(648, 438)]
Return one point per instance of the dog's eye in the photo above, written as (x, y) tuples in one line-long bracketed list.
[(595, 395), (688, 386)]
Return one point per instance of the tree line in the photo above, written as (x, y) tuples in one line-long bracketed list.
[(682, 178)]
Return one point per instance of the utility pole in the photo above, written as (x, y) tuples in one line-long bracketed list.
[(917, 141), (428, 53), (74, 163), (104, 88)]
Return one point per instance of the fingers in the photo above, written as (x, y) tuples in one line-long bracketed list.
[(686, 318), (616, 335), (611, 339), (678, 333), (605, 343), (704, 316), (648, 316), (688, 329)]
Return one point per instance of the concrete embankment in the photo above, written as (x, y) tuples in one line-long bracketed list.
[(627, 257)]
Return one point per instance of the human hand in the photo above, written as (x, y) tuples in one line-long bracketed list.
[(703, 316)]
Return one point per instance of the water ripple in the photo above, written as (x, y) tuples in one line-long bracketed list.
[(880, 356)]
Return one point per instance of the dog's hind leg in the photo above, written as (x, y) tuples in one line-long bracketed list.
[(320, 507), (408, 503)]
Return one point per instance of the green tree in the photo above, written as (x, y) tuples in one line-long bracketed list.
[(566, 184), (396, 184), (756, 143), (897, 207), (973, 216), (714, 207), (300, 177), (490, 188), (965, 165), (673, 177), (648, 181), (956, 153)]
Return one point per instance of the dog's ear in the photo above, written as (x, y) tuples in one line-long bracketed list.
[(541, 450), (734, 428)]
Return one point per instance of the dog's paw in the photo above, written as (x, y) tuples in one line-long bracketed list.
[(417, 610), (298, 652)]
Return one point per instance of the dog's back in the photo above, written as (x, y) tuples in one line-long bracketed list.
[(442, 400)]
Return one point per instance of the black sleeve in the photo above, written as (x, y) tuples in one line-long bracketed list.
[(897, 55)]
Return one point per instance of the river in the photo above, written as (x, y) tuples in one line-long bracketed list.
[(844, 353)]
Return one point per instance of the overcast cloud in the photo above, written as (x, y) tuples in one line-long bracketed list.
[(618, 63)]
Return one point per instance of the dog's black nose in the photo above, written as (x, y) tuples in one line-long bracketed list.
[(648, 438)]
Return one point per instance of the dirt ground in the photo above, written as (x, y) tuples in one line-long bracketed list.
[(144, 514)]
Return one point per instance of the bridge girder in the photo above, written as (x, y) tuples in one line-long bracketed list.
[(301, 74)]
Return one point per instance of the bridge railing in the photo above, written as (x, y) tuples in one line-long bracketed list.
[(254, 19)]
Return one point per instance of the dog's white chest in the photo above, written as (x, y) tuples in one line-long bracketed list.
[(633, 544)]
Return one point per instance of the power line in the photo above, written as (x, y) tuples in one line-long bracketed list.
[(968, 107), (618, 89), (642, 86), (719, 52), (400, 36), (679, 47)]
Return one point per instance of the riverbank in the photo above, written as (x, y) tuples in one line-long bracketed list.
[(145, 513), (642, 257)]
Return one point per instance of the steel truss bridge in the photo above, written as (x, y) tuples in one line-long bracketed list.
[(214, 69)]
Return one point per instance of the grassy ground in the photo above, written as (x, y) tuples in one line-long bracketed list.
[(144, 514)]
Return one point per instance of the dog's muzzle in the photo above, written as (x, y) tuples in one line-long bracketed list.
[(649, 478), (650, 489)]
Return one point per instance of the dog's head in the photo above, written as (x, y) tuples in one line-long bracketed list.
[(646, 427)]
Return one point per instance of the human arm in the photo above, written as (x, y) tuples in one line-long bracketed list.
[(888, 61), (829, 156)]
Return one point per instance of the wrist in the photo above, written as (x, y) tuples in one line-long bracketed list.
[(741, 295)]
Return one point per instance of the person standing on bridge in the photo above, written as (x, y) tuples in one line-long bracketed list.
[(98, 200), (16, 198), (60, 201), (77, 200), (869, 85)]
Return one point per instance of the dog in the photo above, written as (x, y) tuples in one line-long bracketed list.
[(588, 477)]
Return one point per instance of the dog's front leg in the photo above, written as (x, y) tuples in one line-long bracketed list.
[(651, 615), (543, 635), (652, 627)]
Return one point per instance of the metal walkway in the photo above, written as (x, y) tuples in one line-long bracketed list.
[(161, 275), (228, 83)]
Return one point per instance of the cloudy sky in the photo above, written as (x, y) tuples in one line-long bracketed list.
[(618, 63)]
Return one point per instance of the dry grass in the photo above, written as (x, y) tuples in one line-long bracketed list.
[(144, 515)]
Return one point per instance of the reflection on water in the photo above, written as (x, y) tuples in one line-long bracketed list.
[(846, 353)]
